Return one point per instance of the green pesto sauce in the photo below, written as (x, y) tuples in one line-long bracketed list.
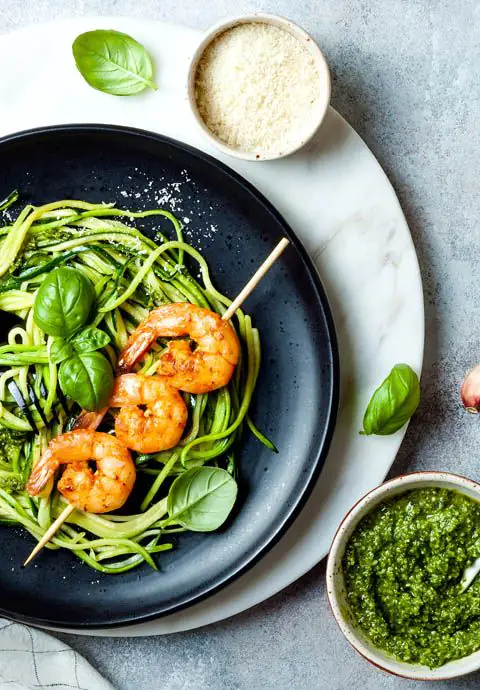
[(403, 566)]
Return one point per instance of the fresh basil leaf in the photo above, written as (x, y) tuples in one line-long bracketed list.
[(63, 302), (113, 62), (60, 350), (90, 339), (201, 498), (87, 378), (393, 403)]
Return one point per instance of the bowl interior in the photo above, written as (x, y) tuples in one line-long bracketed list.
[(336, 584), (304, 38)]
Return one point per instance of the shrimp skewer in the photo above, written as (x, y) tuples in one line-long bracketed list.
[(101, 491), (134, 351), (208, 367)]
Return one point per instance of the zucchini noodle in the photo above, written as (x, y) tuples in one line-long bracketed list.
[(131, 274)]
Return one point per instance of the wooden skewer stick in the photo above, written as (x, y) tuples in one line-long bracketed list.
[(242, 296), (54, 527), (256, 278)]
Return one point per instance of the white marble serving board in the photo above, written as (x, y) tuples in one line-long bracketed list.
[(339, 202)]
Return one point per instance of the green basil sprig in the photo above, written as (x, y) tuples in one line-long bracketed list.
[(88, 340), (393, 403), (201, 498), (87, 378), (63, 302), (62, 308), (113, 62)]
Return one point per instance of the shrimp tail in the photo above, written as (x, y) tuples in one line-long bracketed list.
[(90, 420), (138, 343), (42, 472)]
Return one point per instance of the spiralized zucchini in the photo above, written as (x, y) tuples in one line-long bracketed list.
[(132, 274)]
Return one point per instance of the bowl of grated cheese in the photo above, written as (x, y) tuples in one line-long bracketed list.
[(258, 86)]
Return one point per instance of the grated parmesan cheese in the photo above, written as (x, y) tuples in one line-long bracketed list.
[(257, 89)]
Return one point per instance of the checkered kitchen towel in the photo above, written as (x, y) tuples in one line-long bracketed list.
[(31, 659)]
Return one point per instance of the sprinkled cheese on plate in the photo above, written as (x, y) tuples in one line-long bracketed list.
[(257, 88)]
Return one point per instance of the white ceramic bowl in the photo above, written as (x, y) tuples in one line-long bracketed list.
[(336, 585), (304, 38)]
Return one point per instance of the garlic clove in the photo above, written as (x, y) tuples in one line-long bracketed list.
[(471, 390)]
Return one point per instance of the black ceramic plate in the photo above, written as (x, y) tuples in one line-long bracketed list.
[(296, 399)]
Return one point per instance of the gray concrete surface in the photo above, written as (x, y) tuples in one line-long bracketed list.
[(406, 75)]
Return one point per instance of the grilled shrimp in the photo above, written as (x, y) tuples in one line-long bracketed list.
[(160, 426), (98, 491), (209, 366)]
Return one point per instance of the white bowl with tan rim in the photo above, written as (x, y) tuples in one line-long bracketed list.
[(336, 585), (305, 40)]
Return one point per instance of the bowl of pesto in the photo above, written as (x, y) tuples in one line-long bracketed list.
[(396, 576)]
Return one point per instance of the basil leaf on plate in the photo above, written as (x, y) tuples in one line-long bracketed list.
[(63, 302), (87, 378), (113, 62), (201, 498), (393, 403), (90, 339), (60, 349)]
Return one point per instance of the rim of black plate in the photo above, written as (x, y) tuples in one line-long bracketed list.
[(278, 530)]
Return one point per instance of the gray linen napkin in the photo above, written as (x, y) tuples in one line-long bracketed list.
[(31, 659)]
